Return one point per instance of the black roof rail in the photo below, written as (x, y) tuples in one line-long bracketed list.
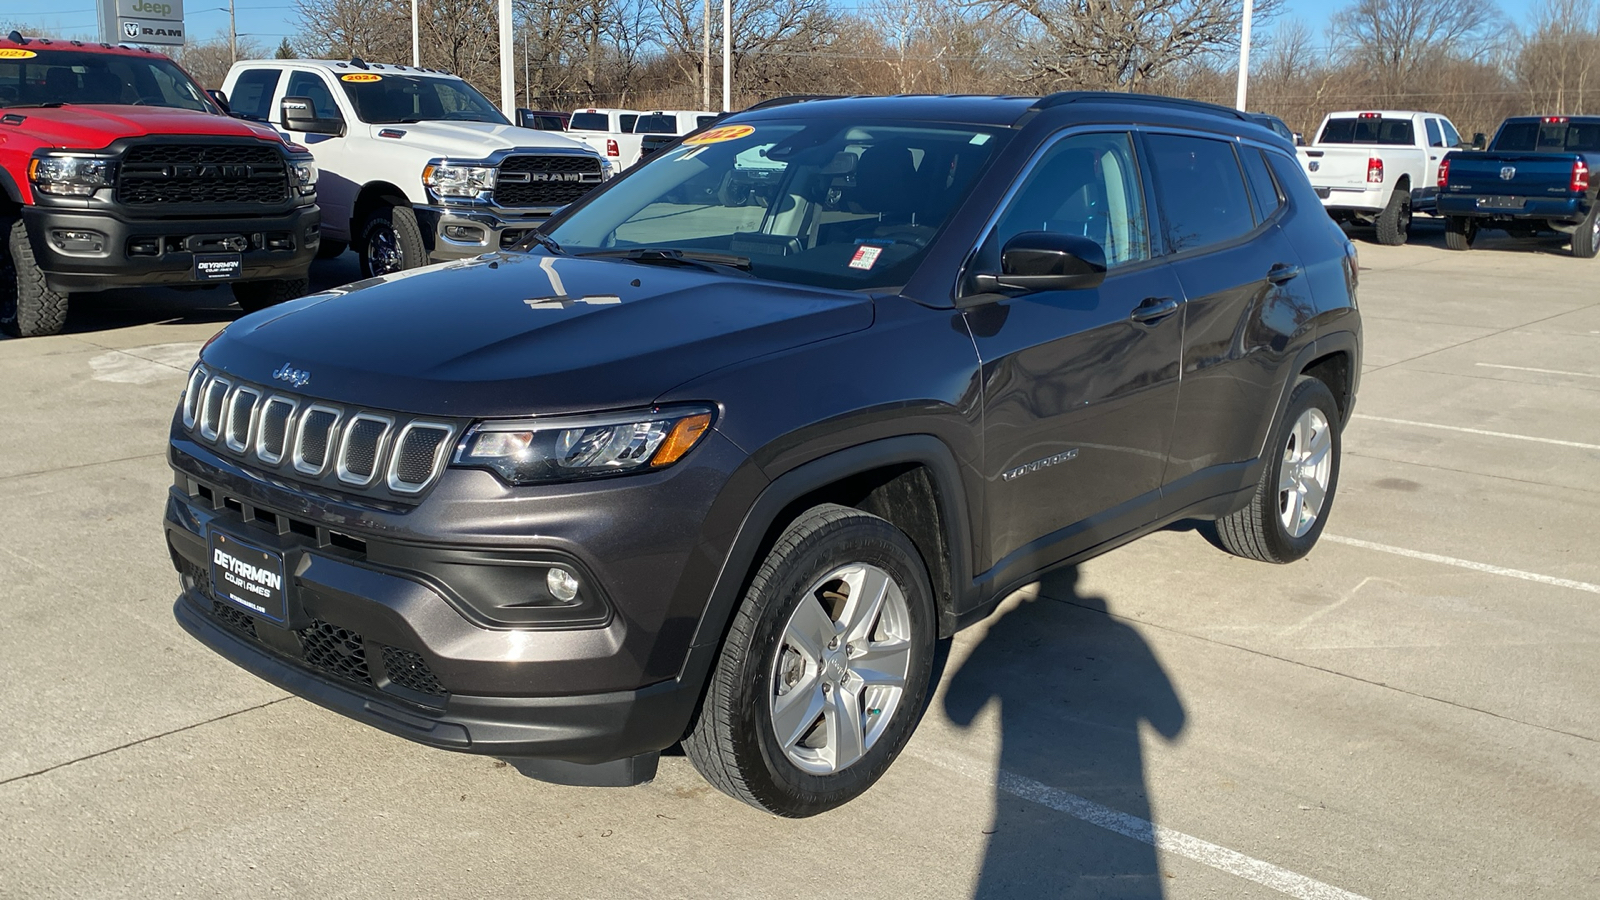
[(1062, 98), (792, 98)]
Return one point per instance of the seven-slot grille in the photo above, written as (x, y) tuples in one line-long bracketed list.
[(553, 180), (351, 448), (249, 172)]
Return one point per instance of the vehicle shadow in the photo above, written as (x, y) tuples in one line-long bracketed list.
[(1427, 231), (1073, 685)]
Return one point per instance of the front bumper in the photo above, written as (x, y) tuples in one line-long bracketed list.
[(462, 233), (139, 252), (1567, 210)]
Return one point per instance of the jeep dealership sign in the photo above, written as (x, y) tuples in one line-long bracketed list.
[(151, 22)]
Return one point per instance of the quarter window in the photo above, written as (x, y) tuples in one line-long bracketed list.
[(1086, 185), (1262, 187), (252, 93), (1202, 191)]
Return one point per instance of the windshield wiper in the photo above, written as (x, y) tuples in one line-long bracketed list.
[(709, 260), (545, 241)]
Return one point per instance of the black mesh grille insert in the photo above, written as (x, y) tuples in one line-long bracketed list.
[(275, 428), (234, 618), (315, 433), (211, 417), (337, 651), (552, 180), (244, 403), (361, 447), (407, 669), (416, 455), (250, 172)]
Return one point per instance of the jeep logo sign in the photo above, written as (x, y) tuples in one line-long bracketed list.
[(152, 22), (164, 10)]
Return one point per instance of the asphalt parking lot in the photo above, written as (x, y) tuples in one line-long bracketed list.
[(1412, 711)]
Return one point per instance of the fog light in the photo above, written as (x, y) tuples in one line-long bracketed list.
[(78, 241), (563, 585), (464, 233)]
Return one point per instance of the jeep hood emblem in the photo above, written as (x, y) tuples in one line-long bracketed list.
[(289, 374)]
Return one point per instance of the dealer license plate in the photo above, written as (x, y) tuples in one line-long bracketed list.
[(1501, 202), (217, 266), (247, 576)]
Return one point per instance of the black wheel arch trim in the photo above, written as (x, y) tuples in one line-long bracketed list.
[(12, 191), (1326, 344)]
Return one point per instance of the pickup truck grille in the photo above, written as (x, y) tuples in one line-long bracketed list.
[(554, 180), (252, 173), (351, 449)]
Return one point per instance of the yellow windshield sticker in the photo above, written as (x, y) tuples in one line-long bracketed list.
[(14, 53), (361, 77), (718, 135)]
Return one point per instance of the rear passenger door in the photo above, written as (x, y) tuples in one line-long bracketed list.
[(1245, 294)]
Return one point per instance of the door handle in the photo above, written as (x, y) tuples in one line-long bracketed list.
[(1154, 308), (1283, 273)]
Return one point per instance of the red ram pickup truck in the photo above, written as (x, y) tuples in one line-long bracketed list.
[(117, 170)]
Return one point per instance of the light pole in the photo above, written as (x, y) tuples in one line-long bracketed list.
[(233, 36), (416, 44), (508, 78), (727, 53), (1244, 55), (705, 62)]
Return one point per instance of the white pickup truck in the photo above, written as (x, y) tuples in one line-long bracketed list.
[(417, 166), (609, 132), (1378, 168)]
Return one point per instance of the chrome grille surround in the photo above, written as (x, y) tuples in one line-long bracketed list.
[(351, 448)]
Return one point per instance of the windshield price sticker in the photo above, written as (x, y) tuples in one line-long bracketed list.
[(866, 257), (14, 53), (361, 77), (718, 135)]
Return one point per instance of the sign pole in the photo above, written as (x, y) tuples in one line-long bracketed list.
[(508, 77), (1244, 55)]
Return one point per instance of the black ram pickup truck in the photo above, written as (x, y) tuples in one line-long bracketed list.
[(722, 468), (1536, 176)]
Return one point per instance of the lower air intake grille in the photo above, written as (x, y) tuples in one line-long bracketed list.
[(407, 669), (234, 618), (337, 651)]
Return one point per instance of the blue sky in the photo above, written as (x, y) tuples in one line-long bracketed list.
[(270, 20)]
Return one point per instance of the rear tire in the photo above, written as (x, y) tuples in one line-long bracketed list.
[(391, 241), (1394, 221), (28, 307), (825, 669), (1460, 232), (257, 295), (1285, 516), (1586, 238)]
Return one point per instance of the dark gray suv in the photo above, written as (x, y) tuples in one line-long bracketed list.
[(721, 458)]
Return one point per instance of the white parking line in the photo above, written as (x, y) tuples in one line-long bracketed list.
[(1465, 564), (1498, 434), (1162, 838), (1541, 371)]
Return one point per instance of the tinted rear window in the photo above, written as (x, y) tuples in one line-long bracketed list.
[(1548, 137), (589, 122), (656, 125), (1369, 131)]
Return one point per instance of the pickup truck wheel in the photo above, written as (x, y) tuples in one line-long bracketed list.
[(1459, 232), (391, 241), (825, 669), (28, 308), (1586, 237), (1394, 222), (254, 295), (1285, 517), (331, 249)]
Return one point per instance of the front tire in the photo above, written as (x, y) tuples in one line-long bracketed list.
[(28, 307), (391, 241), (1285, 516), (1394, 221), (1460, 232), (257, 295), (825, 669), (1586, 237)]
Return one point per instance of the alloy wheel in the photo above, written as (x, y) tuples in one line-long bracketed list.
[(383, 249), (1305, 472)]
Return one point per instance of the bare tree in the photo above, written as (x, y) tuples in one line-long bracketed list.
[(1559, 62), (1396, 41), (208, 61)]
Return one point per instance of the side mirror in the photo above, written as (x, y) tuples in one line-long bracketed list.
[(1036, 261), (1479, 141), (1299, 139), (299, 114), (222, 100)]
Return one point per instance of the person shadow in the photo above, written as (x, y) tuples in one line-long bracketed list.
[(1072, 685)]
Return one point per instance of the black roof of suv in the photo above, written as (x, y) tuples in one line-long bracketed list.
[(755, 425)]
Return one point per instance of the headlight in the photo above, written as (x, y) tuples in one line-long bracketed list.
[(305, 173), (606, 171), (529, 451), (449, 180), (73, 176)]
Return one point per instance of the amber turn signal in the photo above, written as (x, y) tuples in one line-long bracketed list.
[(684, 436)]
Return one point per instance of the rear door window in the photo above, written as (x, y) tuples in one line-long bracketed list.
[(252, 93), (1452, 138), (1435, 136), (1201, 189), (627, 121)]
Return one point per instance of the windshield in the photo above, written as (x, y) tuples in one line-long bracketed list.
[(45, 77), (829, 203), (1549, 137), (1369, 129), (383, 99)]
